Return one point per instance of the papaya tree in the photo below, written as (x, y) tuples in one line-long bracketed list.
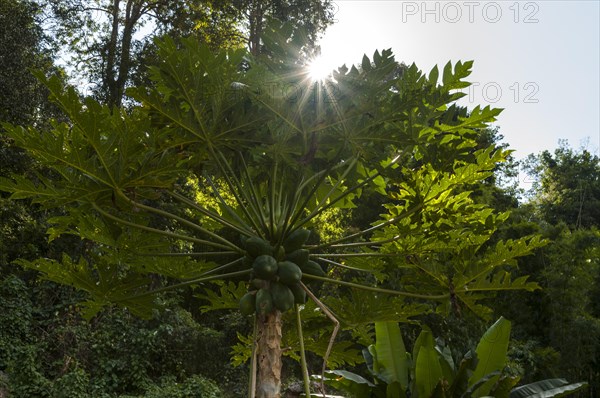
[(226, 167)]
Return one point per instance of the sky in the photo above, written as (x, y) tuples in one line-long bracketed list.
[(538, 60)]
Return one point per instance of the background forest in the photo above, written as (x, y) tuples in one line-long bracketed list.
[(194, 345)]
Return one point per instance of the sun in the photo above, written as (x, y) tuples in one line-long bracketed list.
[(319, 69)]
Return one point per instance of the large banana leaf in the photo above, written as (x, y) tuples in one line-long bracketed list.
[(428, 371), (353, 384), (546, 389), (391, 353), (491, 353)]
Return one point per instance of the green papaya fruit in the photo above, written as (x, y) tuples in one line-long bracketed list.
[(264, 302), (256, 284), (296, 239), (265, 266), (299, 293), (289, 273), (248, 304), (299, 257), (280, 253), (283, 298), (313, 268), (256, 246)]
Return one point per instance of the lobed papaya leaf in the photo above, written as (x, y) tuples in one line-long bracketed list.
[(106, 284), (363, 307), (228, 296)]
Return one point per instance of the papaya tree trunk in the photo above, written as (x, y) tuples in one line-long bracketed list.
[(269, 356)]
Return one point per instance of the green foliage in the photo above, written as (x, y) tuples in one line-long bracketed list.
[(24, 99), (23, 48), (427, 368), (21, 233), (329, 225), (434, 373), (549, 388), (567, 269), (104, 284), (46, 350), (566, 186), (564, 206), (359, 309), (74, 384), (227, 297), (390, 354), (491, 354), (15, 317), (193, 387)]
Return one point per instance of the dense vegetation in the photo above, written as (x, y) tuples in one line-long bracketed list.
[(407, 202)]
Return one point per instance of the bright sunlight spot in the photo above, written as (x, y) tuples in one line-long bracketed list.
[(319, 69)]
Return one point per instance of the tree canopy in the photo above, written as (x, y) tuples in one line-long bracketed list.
[(567, 186), (110, 42)]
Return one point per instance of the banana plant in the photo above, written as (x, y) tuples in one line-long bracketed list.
[(430, 371), (224, 166)]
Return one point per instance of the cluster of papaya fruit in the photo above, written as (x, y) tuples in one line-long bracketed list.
[(277, 273)]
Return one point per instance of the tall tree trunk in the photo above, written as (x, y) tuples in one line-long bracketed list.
[(118, 59), (111, 57), (269, 356), (256, 16), (132, 15)]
